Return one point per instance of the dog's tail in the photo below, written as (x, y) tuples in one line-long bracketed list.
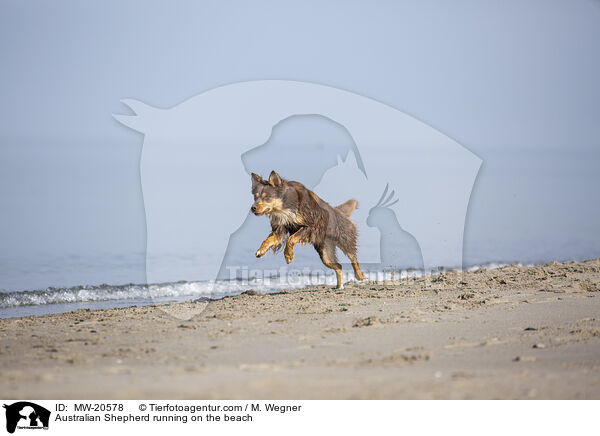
[(348, 207)]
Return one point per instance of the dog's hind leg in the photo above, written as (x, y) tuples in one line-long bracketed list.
[(347, 243), (329, 259), (354, 260), (357, 272)]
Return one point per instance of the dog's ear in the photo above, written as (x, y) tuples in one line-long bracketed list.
[(275, 180), (257, 180)]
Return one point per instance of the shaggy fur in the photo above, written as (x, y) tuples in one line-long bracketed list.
[(298, 212)]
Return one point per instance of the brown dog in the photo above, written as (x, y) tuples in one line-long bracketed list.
[(298, 212)]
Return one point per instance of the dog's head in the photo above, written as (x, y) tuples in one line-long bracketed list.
[(268, 194)]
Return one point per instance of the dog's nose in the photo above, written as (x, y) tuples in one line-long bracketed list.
[(253, 208)]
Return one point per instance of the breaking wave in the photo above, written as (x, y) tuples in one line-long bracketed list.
[(184, 290)]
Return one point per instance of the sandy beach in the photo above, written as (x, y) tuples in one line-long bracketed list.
[(513, 332)]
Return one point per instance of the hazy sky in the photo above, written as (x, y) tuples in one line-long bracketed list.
[(516, 82)]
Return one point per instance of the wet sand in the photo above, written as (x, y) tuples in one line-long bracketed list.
[(513, 332)]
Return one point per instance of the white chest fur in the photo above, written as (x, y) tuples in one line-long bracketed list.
[(285, 218)]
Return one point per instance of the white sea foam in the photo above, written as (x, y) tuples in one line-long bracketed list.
[(183, 290)]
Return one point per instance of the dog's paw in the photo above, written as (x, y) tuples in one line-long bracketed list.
[(288, 257)]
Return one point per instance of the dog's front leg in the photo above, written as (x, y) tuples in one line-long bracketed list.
[(274, 240), (298, 237)]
